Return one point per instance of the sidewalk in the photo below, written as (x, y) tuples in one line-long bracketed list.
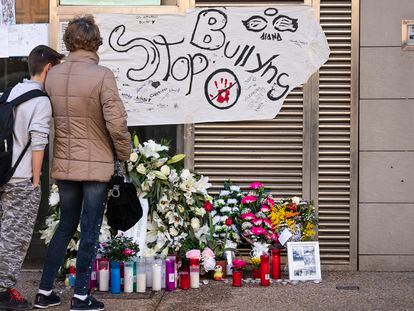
[(337, 291)]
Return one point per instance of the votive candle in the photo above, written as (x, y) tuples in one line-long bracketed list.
[(103, 266), (184, 280), (129, 277), (170, 274), (156, 275), (194, 273), (149, 262), (141, 276), (264, 270)]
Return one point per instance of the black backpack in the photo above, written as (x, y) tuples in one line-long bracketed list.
[(6, 132)]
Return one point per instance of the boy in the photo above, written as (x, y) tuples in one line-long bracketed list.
[(20, 196)]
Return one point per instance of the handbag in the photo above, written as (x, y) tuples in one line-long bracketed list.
[(124, 209)]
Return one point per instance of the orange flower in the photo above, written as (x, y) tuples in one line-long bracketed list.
[(290, 215)]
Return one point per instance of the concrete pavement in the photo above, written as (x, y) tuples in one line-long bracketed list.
[(337, 291)]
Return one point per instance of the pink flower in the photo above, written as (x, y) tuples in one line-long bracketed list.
[(248, 216), (265, 209), (128, 252), (257, 222), (256, 185), (268, 223), (258, 230), (239, 264), (229, 222), (273, 237), (248, 199), (270, 201), (194, 253), (208, 253)]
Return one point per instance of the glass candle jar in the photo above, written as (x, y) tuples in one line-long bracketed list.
[(184, 280), (103, 267), (275, 264), (115, 277), (237, 278), (194, 273), (264, 270), (149, 262), (156, 275), (170, 274), (141, 275), (129, 277)]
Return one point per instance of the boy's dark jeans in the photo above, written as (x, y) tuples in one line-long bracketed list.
[(72, 194)]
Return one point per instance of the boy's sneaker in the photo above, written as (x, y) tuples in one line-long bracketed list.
[(13, 300), (44, 302), (89, 304)]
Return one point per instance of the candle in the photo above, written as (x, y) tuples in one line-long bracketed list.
[(163, 274), (115, 277), (194, 273), (129, 277), (156, 275), (275, 263), (175, 258), (93, 279), (170, 274), (149, 262), (72, 275), (184, 280), (237, 278), (141, 276), (264, 270), (103, 275)]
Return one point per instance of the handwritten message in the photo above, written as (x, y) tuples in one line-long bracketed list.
[(215, 64)]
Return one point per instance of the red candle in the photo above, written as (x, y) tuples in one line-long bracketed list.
[(237, 278), (184, 280), (275, 264), (256, 274), (264, 270)]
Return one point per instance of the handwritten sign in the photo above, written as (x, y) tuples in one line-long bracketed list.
[(215, 64)]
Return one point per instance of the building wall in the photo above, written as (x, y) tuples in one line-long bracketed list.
[(386, 151)]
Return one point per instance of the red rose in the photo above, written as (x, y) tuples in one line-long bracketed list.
[(208, 206), (229, 222)]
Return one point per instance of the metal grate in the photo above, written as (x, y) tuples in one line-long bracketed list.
[(334, 135)]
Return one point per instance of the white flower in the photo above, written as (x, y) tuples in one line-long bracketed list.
[(202, 185), (133, 157), (173, 176), (163, 204), (296, 200), (149, 252), (54, 198), (224, 193), (165, 169), (216, 219), (220, 202), (174, 219), (246, 225), (151, 149), (235, 188), (186, 174), (141, 168), (181, 208), (199, 211), (195, 223), (225, 209), (105, 233), (160, 162), (202, 233), (174, 232), (232, 201)]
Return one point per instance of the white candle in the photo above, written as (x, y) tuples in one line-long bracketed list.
[(103, 280), (195, 279), (128, 278), (156, 276), (148, 268), (141, 282), (163, 274)]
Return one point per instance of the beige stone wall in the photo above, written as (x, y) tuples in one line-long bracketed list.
[(386, 133)]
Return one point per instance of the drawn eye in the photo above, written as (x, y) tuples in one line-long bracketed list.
[(255, 23), (285, 23)]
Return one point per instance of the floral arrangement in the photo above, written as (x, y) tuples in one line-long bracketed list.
[(224, 211), (52, 222), (119, 248), (176, 197), (254, 221), (296, 215)]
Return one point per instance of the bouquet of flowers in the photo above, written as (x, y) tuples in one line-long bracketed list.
[(52, 222), (254, 221), (175, 195), (224, 211), (119, 248), (239, 264), (296, 215)]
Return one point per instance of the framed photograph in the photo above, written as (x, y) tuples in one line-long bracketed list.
[(407, 35), (304, 261)]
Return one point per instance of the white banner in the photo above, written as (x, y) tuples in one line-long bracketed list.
[(215, 64)]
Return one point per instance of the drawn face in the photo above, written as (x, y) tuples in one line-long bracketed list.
[(222, 89)]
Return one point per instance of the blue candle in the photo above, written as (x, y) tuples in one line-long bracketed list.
[(115, 277)]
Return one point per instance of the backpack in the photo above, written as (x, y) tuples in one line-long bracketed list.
[(6, 132)]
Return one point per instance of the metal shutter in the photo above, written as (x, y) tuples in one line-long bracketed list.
[(289, 160), (334, 178)]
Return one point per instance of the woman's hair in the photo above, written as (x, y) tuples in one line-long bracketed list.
[(82, 33)]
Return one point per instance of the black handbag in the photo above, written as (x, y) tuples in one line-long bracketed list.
[(124, 209)]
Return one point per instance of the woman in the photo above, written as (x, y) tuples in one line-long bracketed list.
[(90, 133)]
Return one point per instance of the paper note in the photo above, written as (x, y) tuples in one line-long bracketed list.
[(285, 236), (4, 47), (24, 37)]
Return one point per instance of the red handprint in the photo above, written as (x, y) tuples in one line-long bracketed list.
[(223, 91)]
